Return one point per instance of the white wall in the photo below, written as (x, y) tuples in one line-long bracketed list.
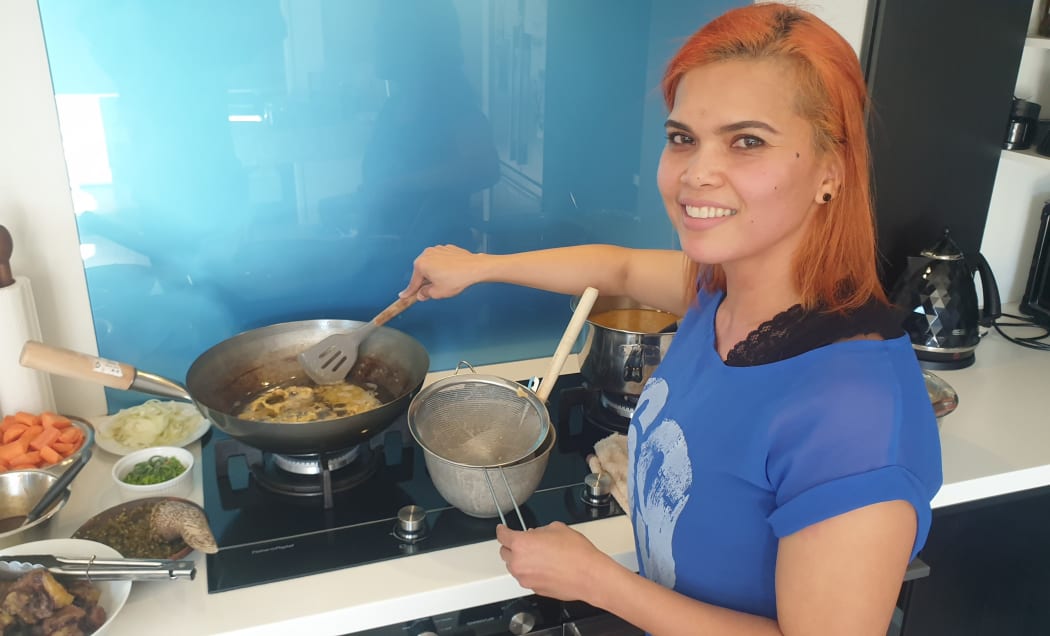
[(35, 203), (846, 16)]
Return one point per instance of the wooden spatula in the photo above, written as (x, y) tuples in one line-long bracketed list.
[(328, 361)]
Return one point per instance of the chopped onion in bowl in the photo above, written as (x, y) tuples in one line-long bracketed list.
[(153, 423)]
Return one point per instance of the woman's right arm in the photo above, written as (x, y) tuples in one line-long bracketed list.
[(651, 277)]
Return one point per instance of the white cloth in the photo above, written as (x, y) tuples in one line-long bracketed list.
[(610, 458)]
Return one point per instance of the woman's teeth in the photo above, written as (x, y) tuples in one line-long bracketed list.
[(707, 212)]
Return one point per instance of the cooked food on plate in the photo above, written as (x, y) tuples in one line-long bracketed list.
[(37, 603), (302, 403), (152, 423), (131, 533)]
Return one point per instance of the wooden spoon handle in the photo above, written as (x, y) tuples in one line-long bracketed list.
[(394, 309), (568, 339)]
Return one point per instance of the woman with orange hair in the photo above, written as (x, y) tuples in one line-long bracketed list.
[(784, 455)]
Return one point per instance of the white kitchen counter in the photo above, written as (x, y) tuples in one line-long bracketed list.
[(996, 442)]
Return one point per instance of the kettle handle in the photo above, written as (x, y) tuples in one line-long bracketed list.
[(990, 290)]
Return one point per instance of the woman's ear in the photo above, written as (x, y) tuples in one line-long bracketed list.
[(832, 181)]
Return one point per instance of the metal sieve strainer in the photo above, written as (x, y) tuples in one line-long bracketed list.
[(478, 421), (471, 424)]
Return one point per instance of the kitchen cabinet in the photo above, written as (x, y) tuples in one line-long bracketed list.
[(990, 569), (1022, 181), (940, 75)]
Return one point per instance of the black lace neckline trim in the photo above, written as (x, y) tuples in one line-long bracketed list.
[(795, 331)]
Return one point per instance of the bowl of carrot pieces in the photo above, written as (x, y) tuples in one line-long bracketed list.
[(45, 441)]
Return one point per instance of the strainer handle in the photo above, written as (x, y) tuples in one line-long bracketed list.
[(464, 363), (510, 493), (495, 499), (568, 339)]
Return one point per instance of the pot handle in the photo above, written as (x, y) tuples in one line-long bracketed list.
[(81, 366)]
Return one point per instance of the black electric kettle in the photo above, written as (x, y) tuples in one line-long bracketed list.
[(938, 293)]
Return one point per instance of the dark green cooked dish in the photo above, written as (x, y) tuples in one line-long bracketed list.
[(128, 532)]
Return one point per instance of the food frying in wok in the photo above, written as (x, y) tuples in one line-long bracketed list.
[(310, 403)]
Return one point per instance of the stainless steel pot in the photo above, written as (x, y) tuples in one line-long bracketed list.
[(223, 378), (620, 361), (469, 490)]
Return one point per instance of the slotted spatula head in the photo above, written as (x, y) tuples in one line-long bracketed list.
[(330, 360)]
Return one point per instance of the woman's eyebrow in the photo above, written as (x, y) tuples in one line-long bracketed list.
[(728, 128), (749, 123), (670, 123)]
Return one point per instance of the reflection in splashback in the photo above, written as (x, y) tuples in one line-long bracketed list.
[(237, 163)]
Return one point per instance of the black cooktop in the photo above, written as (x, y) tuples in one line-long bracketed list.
[(264, 536)]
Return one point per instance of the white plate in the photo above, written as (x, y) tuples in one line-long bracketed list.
[(112, 594), (111, 445)]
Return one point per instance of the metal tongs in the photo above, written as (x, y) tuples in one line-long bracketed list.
[(94, 569)]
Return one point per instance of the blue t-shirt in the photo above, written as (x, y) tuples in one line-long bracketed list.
[(727, 460)]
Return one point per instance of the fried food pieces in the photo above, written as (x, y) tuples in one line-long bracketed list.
[(36, 603)]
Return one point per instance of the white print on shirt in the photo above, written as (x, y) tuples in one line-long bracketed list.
[(660, 498)]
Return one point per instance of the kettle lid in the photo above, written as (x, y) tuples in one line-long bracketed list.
[(945, 249)]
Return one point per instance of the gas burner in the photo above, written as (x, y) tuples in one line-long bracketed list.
[(311, 464), (603, 413), (622, 405), (289, 475), (611, 414), (300, 476)]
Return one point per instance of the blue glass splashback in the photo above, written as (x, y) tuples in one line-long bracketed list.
[(238, 163)]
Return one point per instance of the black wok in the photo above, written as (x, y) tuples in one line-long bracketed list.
[(223, 379)]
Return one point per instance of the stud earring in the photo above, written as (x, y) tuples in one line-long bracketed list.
[(827, 197)]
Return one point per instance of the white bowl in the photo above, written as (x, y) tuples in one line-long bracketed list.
[(112, 594), (180, 486)]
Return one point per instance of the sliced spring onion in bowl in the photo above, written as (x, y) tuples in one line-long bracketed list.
[(155, 470)]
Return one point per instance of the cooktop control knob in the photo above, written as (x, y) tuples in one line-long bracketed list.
[(520, 617), (411, 524), (597, 489)]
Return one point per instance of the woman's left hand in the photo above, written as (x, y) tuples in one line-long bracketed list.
[(553, 560)]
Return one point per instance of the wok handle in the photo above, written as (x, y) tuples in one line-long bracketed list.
[(76, 365), (81, 366), (568, 339)]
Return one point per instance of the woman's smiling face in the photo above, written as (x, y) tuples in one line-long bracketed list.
[(740, 175)]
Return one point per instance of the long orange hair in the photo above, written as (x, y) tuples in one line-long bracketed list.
[(835, 265)]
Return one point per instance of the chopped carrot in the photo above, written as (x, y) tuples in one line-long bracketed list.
[(14, 449), (27, 418), (12, 433), (32, 432), (46, 437), (28, 440), (27, 460), (64, 449), (71, 435), (49, 455), (48, 419)]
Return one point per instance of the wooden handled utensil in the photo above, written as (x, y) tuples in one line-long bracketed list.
[(328, 361)]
